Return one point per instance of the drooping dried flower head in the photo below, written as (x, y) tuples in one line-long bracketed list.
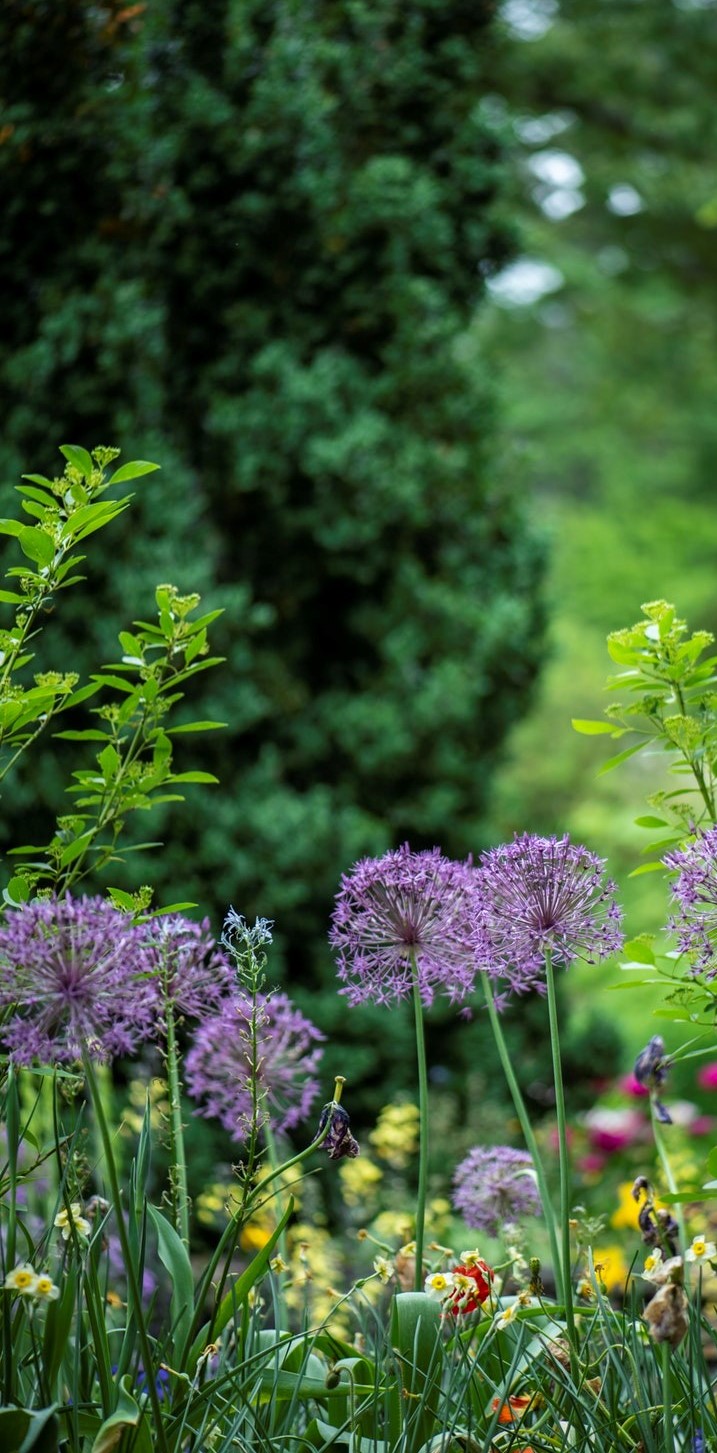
[(667, 1315), (222, 1061), (77, 974), (401, 909), (695, 892), (191, 971), (541, 895), (493, 1186), (651, 1067)]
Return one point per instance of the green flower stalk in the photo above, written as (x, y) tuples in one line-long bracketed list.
[(401, 929)]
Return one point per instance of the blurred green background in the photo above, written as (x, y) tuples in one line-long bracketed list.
[(414, 304)]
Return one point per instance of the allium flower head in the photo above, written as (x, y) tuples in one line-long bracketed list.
[(78, 975), (695, 892), (495, 1185), (403, 908), (220, 1063), (541, 895), (192, 972)]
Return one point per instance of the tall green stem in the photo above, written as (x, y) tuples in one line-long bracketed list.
[(528, 1135), (135, 1290), (671, 1182), (178, 1171), (422, 1123), (667, 1397), (276, 1167), (562, 1154)]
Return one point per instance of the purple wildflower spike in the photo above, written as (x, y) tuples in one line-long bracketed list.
[(191, 971), (77, 973), (538, 895), (392, 910), (494, 1186), (218, 1066), (695, 889)]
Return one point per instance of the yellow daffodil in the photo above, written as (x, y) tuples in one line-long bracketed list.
[(21, 1280), (66, 1219)]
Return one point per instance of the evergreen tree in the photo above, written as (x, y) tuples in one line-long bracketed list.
[(281, 218)]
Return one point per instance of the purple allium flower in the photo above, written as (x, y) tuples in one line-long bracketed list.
[(538, 895), (77, 973), (695, 889), (218, 1065), (403, 907), (191, 971), (494, 1186)]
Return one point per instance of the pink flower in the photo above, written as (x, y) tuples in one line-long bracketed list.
[(592, 1163), (611, 1130), (631, 1086), (707, 1076)]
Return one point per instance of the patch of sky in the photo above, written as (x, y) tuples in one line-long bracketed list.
[(529, 19), (537, 130), (524, 282), (624, 200)]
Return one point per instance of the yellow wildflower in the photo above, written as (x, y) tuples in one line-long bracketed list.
[(611, 1268), (69, 1218), (45, 1289), (395, 1138), (21, 1280)]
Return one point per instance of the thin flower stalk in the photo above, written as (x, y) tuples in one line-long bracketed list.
[(528, 1134), (422, 1125), (178, 1157), (135, 1289), (563, 1158)]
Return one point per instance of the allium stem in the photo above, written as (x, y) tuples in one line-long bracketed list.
[(133, 1284), (178, 1168), (528, 1134), (667, 1397), (563, 1158), (667, 1171), (422, 1124), (282, 1243)]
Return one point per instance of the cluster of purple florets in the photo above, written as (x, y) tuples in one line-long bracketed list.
[(78, 977), (695, 892), (417, 921), (494, 1187)]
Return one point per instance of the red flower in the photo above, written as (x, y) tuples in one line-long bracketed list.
[(469, 1300)]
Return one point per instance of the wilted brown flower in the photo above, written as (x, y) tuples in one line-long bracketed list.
[(666, 1315)]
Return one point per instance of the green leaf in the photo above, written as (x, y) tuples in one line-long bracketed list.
[(36, 545), (133, 470), (22, 1431), (657, 867), (621, 757), (596, 728), (17, 891), (126, 1415), (239, 1292), (416, 1339), (78, 456), (174, 1256), (109, 762), (194, 777), (711, 1162), (12, 527), (196, 726), (651, 822), (638, 950), (58, 1325)]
